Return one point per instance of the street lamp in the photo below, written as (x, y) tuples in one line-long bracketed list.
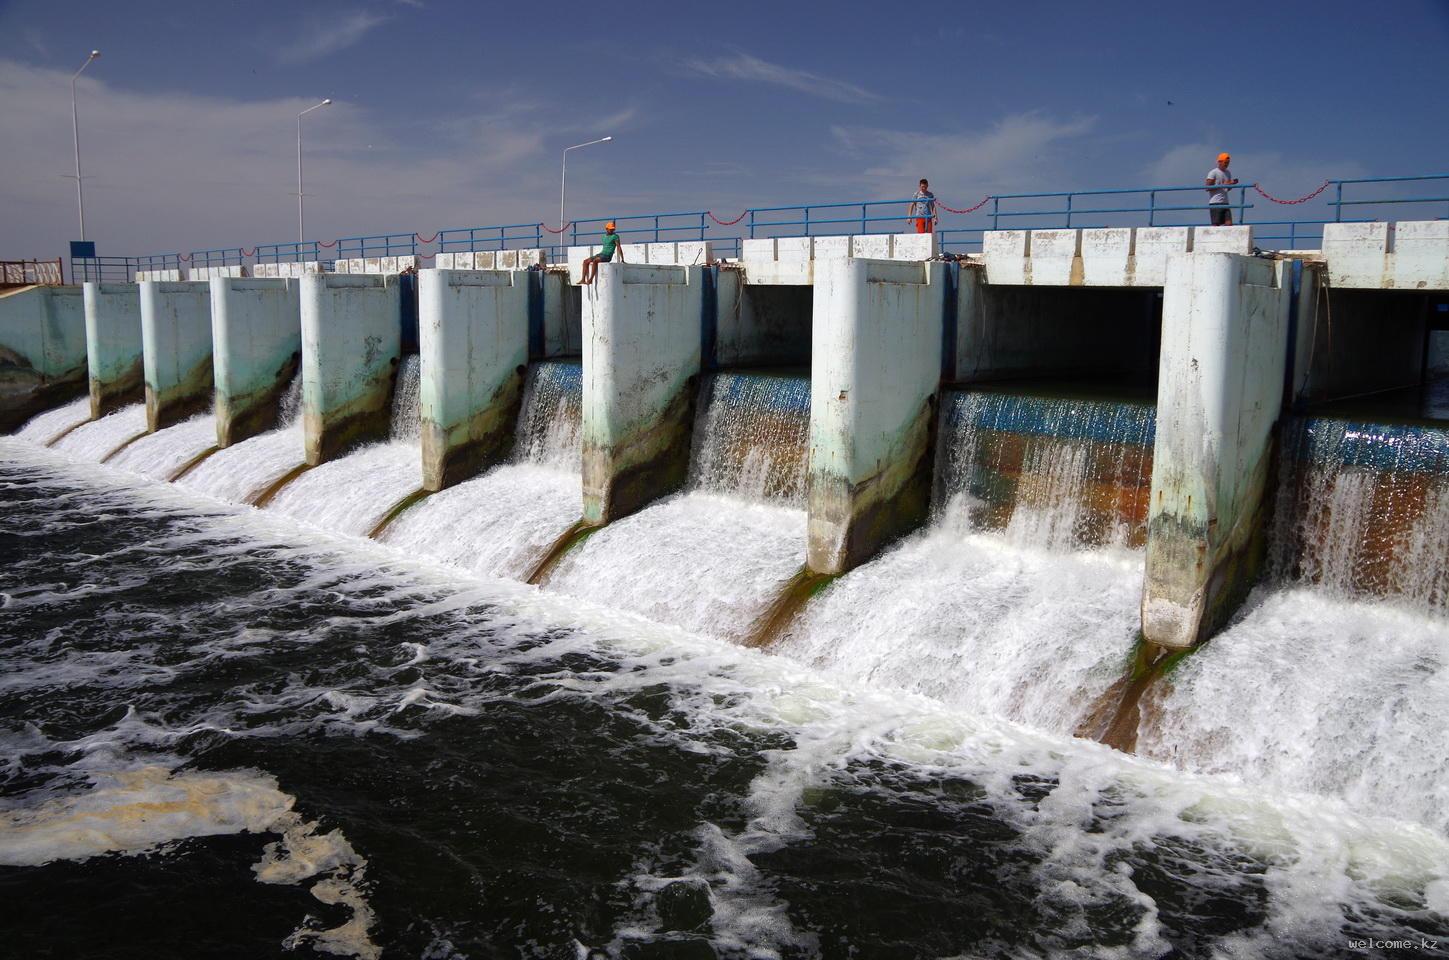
[(301, 231), (564, 179), (80, 197)]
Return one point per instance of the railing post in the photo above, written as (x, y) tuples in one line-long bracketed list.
[(863, 208), (807, 221), (1152, 208), (1338, 207), (1069, 211), (995, 212), (752, 225)]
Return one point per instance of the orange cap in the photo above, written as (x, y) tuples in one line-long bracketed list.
[(1223, 157), (610, 224)]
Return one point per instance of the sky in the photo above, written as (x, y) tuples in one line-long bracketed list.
[(454, 114)]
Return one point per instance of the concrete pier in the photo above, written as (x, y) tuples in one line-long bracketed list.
[(176, 343), (351, 346), (473, 345), (641, 360), (875, 370), (42, 351), (114, 353), (1225, 329), (256, 330)]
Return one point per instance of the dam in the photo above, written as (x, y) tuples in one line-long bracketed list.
[(1142, 528)]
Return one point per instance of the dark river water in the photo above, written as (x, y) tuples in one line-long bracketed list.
[(226, 735)]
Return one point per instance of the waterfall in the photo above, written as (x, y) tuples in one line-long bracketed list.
[(1020, 598), (712, 558), (97, 439), (501, 523), (352, 493), (45, 427), (161, 454), (242, 469), (1334, 678)]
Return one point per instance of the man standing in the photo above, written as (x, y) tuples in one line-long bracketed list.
[(1218, 181), (923, 208), (608, 246)]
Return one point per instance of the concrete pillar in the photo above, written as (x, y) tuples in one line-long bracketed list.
[(875, 369), (351, 346), (561, 311), (1220, 390), (176, 342), (113, 345), (473, 346), (256, 330), (641, 360), (42, 351)]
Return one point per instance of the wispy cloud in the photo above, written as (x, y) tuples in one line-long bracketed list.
[(742, 66), (318, 38)]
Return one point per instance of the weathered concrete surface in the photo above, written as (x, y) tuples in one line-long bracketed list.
[(351, 346), (760, 324), (42, 351), (1011, 330), (641, 363), (562, 306), (473, 347), (875, 369), (176, 343), (1100, 257), (114, 354), (1220, 392), (1408, 255), (792, 261), (256, 329)]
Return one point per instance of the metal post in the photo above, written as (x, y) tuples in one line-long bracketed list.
[(1152, 208), (301, 226), (1338, 207), (80, 198), (1069, 211), (563, 183)]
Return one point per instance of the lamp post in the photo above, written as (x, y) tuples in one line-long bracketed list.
[(80, 197), (301, 223), (564, 179)]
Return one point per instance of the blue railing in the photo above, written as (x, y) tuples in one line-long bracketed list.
[(221, 257), (1338, 202), (103, 269), (379, 245), (507, 236), (303, 252)]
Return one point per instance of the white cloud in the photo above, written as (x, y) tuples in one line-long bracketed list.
[(1187, 164), (321, 38), (742, 66)]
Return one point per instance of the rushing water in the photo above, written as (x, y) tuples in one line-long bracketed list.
[(241, 471), (159, 455), (712, 558), (99, 438), (45, 427), (355, 752), (503, 522)]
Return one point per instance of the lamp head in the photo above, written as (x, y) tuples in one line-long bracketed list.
[(94, 54), (327, 101)]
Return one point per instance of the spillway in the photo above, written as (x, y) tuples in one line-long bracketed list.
[(1335, 678), (1020, 598), (45, 427), (159, 455), (711, 558), (242, 470), (99, 438), (502, 522), (352, 493)]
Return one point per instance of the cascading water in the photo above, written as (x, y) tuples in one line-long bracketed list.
[(1334, 679), (502, 522), (240, 471), (352, 493), (1020, 599), (712, 558), (99, 438), (159, 455), (45, 427)]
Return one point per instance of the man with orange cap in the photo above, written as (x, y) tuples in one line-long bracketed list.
[(1218, 181), (608, 246)]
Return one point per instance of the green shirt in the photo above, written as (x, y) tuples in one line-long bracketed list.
[(611, 243)]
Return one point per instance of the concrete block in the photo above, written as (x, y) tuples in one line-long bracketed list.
[(760, 249), (533, 257), (409, 262), (1236, 239), (830, 248), (874, 372), (256, 335), (311, 266), (1357, 254), (176, 344), (872, 245), (1225, 325), (42, 351), (797, 249), (636, 252), (372, 265), (1152, 248), (473, 349), (641, 360), (1005, 253), (351, 347), (113, 346), (692, 253), (661, 253), (562, 315), (388, 264), (1421, 255), (1107, 257), (505, 259), (486, 260), (1054, 256), (913, 246), (444, 261)]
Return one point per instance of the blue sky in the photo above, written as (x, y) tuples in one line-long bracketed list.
[(453, 114)]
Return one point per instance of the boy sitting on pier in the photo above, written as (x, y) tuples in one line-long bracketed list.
[(608, 246)]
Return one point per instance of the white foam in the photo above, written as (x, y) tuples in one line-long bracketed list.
[(162, 453), (45, 427), (95, 440)]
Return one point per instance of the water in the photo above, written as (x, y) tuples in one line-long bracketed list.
[(712, 558), (353, 493), (45, 427), (503, 522), (242, 471), (368, 754), (159, 455), (97, 439), (1020, 600)]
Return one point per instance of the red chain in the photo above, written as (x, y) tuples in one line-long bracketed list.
[(420, 239), (1289, 203), (324, 243), (248, 253), (559, 230), (427, 256), (184, 257), (967, 210), (725, 223)]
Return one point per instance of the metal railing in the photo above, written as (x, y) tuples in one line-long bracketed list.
[(1338, 202), (305, 251), (507, 236), (380, 245), (20, 273), (102, 269), (223, 257)]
